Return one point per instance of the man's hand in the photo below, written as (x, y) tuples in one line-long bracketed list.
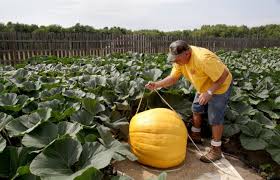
[(204, 98), (152, 85)]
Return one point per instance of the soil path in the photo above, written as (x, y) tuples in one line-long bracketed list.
[(192, 168)]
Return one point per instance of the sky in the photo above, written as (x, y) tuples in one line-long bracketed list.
[(164, 15)]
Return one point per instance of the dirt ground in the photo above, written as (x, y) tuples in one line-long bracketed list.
[(229, 169)]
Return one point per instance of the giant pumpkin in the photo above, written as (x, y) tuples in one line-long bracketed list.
[(158, 137)]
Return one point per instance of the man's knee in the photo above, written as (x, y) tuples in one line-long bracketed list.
[(197, 115)]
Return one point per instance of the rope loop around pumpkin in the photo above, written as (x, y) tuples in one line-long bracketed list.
[(198, 149)]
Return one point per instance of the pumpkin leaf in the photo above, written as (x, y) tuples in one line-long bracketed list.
[(83, 117), (23, 172), (152, 74), (95, 154), (41, 135), (114, 145), (2, 144), (57, 159), (5, 119), (68, 128), (14, 158), (93, 106), (27, 123), (273, 148)]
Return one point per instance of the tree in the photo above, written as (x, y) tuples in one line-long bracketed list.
[(218, 30)]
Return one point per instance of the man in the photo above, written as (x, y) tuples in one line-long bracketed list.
[(213, 83)]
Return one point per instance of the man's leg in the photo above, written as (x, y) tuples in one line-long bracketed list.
[(217, 132), (197, 110), (196, 128), (215, 152), (197, 120), (216, 113)]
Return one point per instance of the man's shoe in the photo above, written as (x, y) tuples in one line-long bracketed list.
[(215, 153), (196, 137)]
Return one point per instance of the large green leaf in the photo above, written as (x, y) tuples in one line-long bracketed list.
[(252, 143), (32, 106), (243, 108), (135, 89), (67, 112), (96, 81), (13, 158), (20, 74), (4, 119), (180, 104), (120, 150), (2, 88), (13, 102), (113, 120), (106, 136), (60, 108), (109, 96), (41, 136), (252, 129), (237, 94), (47, 132), (254, 136), (233, 122), (230, 115), (254, 101), (88, 173), (50, 94), (2, 144), (152, 74), (45, 79), (88, 134), (83, 117), (277, 102), (263, 94), (123, 106), (93, 106), (231, 129), (26, 123), (248, 86), (260, 117), (30, 85), (23, 173), (57, 159), (266, 134), (9, 99), (74, 93), (96, 155), (268, 107), (274, 148), (122, 89), (55, 105), (68, 128)]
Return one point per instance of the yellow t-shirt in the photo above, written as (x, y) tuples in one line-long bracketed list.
[(202, 70)]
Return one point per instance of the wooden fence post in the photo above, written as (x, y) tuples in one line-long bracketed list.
[(16, 47)]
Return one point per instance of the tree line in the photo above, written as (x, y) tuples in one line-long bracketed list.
[(219, 30)]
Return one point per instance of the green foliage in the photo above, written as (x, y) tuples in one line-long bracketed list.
[(219, 30), (70, 115)]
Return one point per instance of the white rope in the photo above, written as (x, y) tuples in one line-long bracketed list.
[(164, 100), (140, 102), (193, 141)]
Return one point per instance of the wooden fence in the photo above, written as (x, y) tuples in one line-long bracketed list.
[(16, 47)]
